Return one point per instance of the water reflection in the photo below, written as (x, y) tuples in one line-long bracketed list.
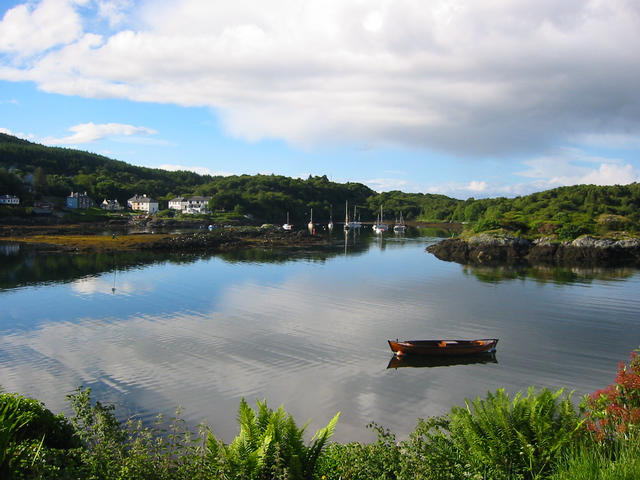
[(308, 331), (544, 273), (416, 361)]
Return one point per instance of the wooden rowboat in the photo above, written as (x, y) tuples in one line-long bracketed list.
[(443, 347)]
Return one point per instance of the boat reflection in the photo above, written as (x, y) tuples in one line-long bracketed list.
[(418, 361)]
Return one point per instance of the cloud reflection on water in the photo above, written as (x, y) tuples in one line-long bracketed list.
[(311, 336)]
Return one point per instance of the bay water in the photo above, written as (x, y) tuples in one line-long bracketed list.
[(306, 329)]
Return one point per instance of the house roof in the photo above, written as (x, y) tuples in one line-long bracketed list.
[(142, 199)]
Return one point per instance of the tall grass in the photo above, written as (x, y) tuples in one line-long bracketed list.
[(619, 461)]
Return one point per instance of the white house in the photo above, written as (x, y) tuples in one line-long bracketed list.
[(111, 205), (176, 203), (195, 204), (9, 200), (143, 204)]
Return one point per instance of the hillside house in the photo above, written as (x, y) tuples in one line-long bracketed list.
[(111, 205), (143, 203), (42, 208), (195, 204), (79, 200), (9, 200)]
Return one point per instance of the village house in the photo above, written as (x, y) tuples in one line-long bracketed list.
[(9, 200), (195, 204), (79, 200), (42, 208), (111, 205), (143, 203)]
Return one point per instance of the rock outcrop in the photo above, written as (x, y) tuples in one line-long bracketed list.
[(484, 249)]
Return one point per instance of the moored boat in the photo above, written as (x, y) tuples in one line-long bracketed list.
[(287, 226), (380, 226), (443, 347)]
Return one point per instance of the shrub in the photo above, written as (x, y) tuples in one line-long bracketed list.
[(56, 429), (570, 231), (610, 222), (546, 228), (615, 410), (132, 451), (269, 445), (484, 225), (497, 437), (356, 461)]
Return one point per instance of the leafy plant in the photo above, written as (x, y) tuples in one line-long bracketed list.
[(56, 429), (496, 437), (615, 410), (12, 418), (357, 461), (523, 436), (269, 445)]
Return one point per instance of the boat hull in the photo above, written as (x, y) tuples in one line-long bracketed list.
[(443, 347)]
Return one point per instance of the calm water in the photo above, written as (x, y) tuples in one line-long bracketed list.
[(307, 330)]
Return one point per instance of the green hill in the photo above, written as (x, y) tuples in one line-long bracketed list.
[(52, 172)]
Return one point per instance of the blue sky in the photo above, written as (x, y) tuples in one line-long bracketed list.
[(502, 97)]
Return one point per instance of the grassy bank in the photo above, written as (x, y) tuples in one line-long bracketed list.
[(90, 242), (533, 435), (220, 239)]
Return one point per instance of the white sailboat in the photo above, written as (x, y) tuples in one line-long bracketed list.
[(355, 223), (400, 227), (330, 225), (310, 224), (380, 226), (287, 226), (347, 225)]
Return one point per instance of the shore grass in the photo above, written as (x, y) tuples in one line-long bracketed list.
[(91, 242)]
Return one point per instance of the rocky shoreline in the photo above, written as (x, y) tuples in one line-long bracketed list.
[(484, 249)]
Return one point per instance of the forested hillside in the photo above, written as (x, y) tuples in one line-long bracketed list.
[(566, 211), (57, 171)]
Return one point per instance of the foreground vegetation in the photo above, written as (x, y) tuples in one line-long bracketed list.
[(36, 172), (537, 435)]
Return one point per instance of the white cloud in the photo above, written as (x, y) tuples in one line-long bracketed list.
[(114, 11), (104, 285), (32, 28), (574, 167), (386, 184), (475, 78), (90, 132), (26, 136), (200, 170), (476, 189)]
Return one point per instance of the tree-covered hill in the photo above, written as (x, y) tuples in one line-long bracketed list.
[(565, 211), (57, 171)]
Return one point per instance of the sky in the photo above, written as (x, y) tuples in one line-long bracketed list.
[(462, 98)]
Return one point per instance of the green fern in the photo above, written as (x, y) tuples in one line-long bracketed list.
[(519, 437), (269, 445)]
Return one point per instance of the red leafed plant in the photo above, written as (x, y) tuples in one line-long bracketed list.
[(615, 410)]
